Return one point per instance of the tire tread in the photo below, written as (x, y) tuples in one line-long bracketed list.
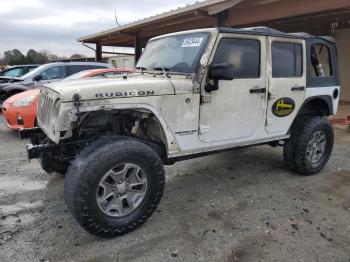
[(77, 182)]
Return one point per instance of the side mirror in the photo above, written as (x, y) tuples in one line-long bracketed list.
[(38, 78), (221, 71)]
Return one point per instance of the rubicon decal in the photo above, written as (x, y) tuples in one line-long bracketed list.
[(283, 107), (125, 94)]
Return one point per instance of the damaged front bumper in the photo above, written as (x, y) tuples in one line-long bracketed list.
[(34, 150), (29, 132), (63, 151)]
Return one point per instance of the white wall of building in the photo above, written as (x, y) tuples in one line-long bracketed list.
[(123, 61)]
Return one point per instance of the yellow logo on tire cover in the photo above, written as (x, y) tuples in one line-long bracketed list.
[(283, 107)]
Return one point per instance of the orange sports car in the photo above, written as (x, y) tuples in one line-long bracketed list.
[(20, 110)]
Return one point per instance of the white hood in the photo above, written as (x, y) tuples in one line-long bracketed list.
[(133, 85)]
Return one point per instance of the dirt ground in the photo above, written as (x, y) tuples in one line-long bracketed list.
[(241, 205)]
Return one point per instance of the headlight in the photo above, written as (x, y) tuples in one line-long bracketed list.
[(26, 101)]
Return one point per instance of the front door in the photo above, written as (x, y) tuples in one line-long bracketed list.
[(52, 74), (237, 109), (287, 78)]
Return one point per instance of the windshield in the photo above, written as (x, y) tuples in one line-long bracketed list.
[(178, 53), (15, 72), (34, 72)]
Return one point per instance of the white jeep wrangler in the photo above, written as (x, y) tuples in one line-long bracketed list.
[(195, 93)]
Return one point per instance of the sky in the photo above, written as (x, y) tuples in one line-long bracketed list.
[(55, 25)]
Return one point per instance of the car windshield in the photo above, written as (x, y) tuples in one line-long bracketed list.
[(178, 53), (34, 72), (15, 72)]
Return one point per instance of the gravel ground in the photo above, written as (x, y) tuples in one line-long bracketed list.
[(241, 205)]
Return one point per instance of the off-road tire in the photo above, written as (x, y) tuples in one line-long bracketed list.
[(86, 172), (295, 149)]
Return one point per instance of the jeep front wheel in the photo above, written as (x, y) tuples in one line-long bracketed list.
[(310, 145), (113, 187)]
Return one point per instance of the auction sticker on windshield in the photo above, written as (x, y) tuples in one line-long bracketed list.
[(192, 42)]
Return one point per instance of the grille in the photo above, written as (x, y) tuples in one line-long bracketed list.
[(44, 109)]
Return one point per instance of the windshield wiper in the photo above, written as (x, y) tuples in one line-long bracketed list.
[(164, 69)]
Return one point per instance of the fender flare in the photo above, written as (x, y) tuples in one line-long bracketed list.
[(327, 99), (172, 145)]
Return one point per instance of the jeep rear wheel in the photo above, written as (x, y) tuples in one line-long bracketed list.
[(114, 185), (310, 145)]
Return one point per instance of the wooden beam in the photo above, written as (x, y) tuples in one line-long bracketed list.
[(223, 19), (165, 20), (324, 23), (188, 25), (138, 48), (282, 9), (117, 39), (218, 8), (98, 52)]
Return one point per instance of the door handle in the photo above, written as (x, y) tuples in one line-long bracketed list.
[(298, 88), (257, 90)]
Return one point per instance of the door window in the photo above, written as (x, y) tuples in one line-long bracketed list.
[(243, 54), (321, 61), (73, 69), (287, 60), (55, 72)]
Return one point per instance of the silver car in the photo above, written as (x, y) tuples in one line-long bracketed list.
[(47, 73)]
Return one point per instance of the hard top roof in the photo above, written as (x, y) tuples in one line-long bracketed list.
[(261, 30)]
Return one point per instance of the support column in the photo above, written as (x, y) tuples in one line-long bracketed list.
[(98, 52), (223, 19), (138, 48)]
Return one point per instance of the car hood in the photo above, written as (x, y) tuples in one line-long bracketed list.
[(118, 87), (6, 80), (14, 98), (17, 83)]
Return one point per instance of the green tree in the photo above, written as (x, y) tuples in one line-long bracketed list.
[(77, 56), (42, 59), (31, 56), (14, 57)]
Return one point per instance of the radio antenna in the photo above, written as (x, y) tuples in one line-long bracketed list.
[(116, 18)]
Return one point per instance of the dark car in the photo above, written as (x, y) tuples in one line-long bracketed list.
[(15, 71), (47, 73)]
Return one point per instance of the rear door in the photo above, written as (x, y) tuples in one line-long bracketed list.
[(287, 82), (73, 69)]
